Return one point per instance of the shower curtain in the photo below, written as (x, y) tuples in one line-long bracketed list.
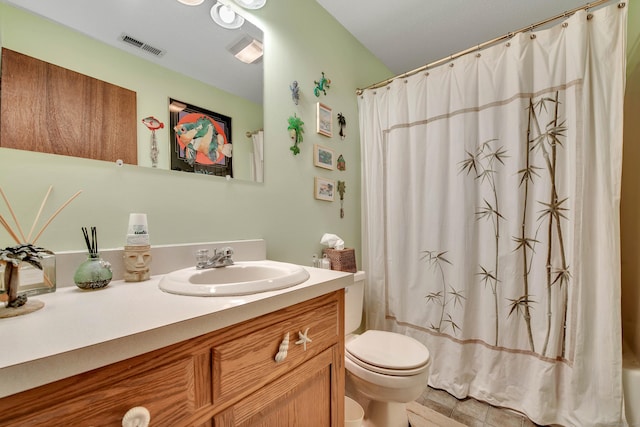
[(491, 190), (257, 157)]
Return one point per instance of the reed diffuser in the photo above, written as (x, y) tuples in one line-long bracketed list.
[(94, 273)]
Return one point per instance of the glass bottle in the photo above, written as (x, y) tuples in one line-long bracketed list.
[(325, 262), (94, 273)]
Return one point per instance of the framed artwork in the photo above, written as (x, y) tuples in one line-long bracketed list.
[(323, 157), (324, 125), (324, 189), (200, 140)]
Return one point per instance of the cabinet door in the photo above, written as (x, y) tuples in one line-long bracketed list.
[(50, 109), (306, 396), (167, 392)]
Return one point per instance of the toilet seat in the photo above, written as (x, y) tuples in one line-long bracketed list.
[(388, 353)]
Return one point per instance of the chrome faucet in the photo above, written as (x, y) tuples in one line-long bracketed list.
[(221, 258)]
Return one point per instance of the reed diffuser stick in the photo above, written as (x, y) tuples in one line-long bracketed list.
[(92, 243), (35, 221), (54, 215), (9, 230), (13, 214)]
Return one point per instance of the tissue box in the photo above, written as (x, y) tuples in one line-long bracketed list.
[(342, 260)]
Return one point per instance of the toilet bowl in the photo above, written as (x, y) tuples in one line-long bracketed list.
[(385, 369)]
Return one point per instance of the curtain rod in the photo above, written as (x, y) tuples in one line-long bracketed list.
[(485, 44)]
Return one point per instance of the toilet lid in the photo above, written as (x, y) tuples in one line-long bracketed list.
[(389, 351)]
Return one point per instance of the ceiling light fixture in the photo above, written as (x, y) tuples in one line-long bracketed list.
[(224, 16), (247, 50), (251, 4), (176, 107), (191, 2)]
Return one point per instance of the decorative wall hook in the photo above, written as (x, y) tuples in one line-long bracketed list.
[(295, 132), (153, 124), (341, 190), (342, 122), (321, 86), (295, 92)]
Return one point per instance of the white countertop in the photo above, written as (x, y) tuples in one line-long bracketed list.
[(77, 331)]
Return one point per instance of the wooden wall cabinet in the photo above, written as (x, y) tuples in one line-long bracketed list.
[(222, 379), (50, 109)]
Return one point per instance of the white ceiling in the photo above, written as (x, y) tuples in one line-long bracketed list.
[(403, 34), (406, 34)]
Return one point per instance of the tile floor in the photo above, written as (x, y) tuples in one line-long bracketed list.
[(466, 412)]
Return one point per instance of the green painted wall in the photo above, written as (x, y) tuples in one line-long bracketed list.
[(302, 40)]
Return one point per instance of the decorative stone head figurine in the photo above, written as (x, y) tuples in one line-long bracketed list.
[(136, 263)]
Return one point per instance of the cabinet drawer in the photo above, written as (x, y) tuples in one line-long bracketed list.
[(168, 401), (246, 363)]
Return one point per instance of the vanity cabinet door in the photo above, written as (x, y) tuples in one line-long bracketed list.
[(303, 397), (168, 401)]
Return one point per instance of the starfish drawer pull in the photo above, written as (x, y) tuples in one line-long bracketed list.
[(304, 339)]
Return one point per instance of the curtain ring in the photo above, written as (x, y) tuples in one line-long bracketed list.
[(451, 65), (589, 17), (532, 36), (508, 44), (565, 24), (621, 5)]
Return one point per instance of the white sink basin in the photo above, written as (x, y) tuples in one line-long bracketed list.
[(241, 278)]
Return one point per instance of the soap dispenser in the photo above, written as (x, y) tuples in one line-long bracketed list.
[(325, 262)]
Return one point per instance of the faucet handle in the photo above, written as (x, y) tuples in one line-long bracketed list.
[(202, 256), (226, 251)]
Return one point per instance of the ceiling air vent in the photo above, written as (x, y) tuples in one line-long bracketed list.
[(141, 45)]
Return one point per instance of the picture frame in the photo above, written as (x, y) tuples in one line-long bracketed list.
[(323, 157), (200, 140), (324, 122), (324, 189)]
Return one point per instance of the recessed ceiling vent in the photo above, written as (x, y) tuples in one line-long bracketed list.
[(141, 45)]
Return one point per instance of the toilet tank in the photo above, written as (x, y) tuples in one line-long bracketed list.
[(353, 303)]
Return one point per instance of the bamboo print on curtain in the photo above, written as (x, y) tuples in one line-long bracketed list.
[(491, 205)]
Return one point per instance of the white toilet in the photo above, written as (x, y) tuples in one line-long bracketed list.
[(387, 369)]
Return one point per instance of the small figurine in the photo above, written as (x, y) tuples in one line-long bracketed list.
[(136, 263), (321, 86), (295, 92), (153, 124), (342, 122), (295, 132), (342, 165)]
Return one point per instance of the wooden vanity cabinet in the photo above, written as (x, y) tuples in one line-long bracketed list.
[(225, 378)]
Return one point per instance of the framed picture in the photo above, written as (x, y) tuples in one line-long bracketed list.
[(200, 140), (324, 189), (324, 125), (323, 157)]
